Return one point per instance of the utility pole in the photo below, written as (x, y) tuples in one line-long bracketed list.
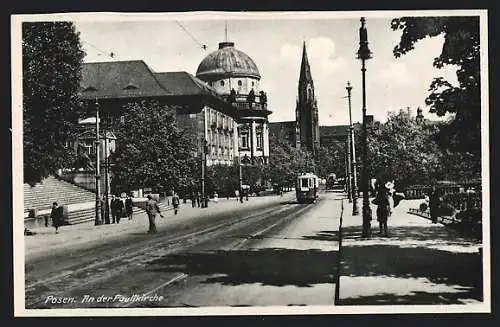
[(364, 54), (347, 183), (348, 166), (106, 174), (355, 210), (97, 220)]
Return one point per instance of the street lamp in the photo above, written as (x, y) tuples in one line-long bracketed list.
[(355, 210), (204, 200), (364, 54)]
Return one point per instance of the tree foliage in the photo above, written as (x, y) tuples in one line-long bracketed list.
[(285, 162), (461, 48), (152, 151), (52, 58), (404, 150), (331, 159)]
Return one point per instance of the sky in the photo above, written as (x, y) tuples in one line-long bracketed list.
[(274, 42)]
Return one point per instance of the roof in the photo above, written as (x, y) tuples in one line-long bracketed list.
[(337, 130), (183, 83), (227, 61), (305, 69), (119, 79)]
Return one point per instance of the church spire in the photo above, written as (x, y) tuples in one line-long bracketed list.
[(305, 69)]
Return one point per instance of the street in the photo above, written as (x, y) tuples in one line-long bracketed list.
[(263, 252)]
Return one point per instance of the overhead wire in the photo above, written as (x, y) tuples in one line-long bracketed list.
[(203, 46)]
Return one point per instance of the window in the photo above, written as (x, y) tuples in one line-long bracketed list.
[(221, 83), (253, 83), (244, 140), (192, 115), (239, 83), (304, 182), (259, 140)]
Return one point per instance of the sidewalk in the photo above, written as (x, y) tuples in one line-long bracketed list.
[(419, 263), (83, 235)]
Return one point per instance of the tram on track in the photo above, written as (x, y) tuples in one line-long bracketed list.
[(306, 188)]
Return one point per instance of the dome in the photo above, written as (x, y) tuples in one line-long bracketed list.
[(227, 62)]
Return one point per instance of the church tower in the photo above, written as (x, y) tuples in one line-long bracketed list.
[(306, 112)]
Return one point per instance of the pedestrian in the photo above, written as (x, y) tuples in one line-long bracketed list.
[(241, 195), (152, 209), (175, 202), (56, 214), (129, 207), (198, 197), (216, 197), (382, 200), (236, 194), (114, 209), (434, 202), (193, 199)]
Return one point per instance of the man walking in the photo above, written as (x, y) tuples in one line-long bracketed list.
[(175, 202), (152, 209)]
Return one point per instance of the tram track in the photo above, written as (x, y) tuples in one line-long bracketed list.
[(280, 220), (89, 274)]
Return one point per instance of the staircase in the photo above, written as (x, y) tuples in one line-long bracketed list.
[(50, 190)]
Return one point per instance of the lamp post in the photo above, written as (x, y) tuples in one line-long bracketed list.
[(106, 174), (98, 220), (364, 54), (355, 210), (348, 166), (204, 201)]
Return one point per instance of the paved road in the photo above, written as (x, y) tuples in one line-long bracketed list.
[(268, 253)]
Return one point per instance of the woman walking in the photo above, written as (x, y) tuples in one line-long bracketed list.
[(57, 216)]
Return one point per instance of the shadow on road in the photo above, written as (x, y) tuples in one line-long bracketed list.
[(269, 266), (324, 235), (406, 258)]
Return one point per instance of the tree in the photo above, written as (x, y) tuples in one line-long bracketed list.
[(461, 48), (404, 150), (285, 162), (331, 159), (52, 58), (152, 151)]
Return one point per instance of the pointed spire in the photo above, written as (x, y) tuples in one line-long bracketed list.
[(305, 69)]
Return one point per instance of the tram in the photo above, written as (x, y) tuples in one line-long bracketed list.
[(306, 188)]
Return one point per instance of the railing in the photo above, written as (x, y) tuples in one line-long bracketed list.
[(242, 102), (420, 191)]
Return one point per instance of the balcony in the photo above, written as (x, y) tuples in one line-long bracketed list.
[(241, 102)]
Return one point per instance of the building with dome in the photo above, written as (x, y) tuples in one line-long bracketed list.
[(236, 78)]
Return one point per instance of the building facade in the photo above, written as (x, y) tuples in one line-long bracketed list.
[(235, 77)]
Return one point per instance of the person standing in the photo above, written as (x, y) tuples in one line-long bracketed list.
[(434, 203), (114, 208), (216, 197), (383, 208), (152, 209), (198, 197), (175, 202), (129, 207), (56, 214), (193, 199)]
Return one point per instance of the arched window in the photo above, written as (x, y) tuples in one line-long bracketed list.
[(240, 83), (221, 83)]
